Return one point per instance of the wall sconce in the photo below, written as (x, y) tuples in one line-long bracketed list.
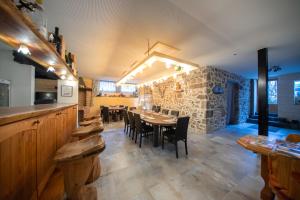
[(24, 50)]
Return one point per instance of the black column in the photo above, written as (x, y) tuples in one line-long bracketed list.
[(251, 97), (263, 108)]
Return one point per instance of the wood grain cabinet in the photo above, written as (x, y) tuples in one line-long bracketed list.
[(27, 149)]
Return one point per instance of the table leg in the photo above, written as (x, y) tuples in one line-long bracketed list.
[(155, 136), (266, 193)]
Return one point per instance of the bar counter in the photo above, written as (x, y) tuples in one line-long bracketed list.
[(14, 114)]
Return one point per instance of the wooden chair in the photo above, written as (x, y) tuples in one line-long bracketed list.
[(177, 134), (154, 108), (157, 109), (284, 174), (141, 129)]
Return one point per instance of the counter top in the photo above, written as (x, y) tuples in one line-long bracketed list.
[(13, 114)]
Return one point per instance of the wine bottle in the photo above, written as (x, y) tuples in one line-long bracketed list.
[(57, 40)]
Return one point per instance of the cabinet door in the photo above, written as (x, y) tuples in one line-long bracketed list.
[(72, 119), (18, 160), (61, 129), (46, 149)]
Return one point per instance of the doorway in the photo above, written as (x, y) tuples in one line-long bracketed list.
[(232, 102)]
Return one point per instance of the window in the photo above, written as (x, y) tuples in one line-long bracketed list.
[(297, 92), (107, 86), (272, 92), (128, 88)]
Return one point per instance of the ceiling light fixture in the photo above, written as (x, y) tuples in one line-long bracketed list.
[(63, 77), (24, 50), (181, 66), (51, 69)]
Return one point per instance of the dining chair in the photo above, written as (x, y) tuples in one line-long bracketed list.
[(132, 124), (105, 113), (154, 108), (175, 113), (132, 108), (165, 111), (126, 121), (177, 134), (142, 130), (157, 109)]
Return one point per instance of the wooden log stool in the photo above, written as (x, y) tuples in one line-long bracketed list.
[(86, 131), (76, 161), (90, 122)]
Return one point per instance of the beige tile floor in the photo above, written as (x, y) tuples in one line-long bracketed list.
[(216, 168)]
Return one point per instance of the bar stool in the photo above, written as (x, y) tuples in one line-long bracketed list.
[(86, 131), (89, 122), (76, 161)]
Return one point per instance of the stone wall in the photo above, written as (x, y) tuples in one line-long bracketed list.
[(196, 99)]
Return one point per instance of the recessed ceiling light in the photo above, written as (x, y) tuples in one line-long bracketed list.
[(50, 69), (24, 50)]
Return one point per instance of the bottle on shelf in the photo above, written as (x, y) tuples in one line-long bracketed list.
[(57, 40)]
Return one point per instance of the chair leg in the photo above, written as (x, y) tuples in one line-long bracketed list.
[(186, 150), (136, 135), (140, 140), (163, 142), (176, 147)]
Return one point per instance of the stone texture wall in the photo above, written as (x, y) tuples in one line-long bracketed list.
[(196, 99)]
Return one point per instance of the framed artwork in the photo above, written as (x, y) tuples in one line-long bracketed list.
[(66, 91), (297, 92)]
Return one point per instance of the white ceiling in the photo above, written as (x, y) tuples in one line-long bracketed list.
[(109, 35)]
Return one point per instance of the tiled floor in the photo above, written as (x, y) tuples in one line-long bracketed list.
[(216, 167)]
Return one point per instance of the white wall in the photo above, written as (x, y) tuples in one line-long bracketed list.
[(286, 106), (74, 98), (21, 78)]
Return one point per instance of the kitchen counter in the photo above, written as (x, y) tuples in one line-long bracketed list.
[(13, 114)]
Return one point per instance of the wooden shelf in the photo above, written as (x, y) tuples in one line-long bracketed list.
[(18, 29)]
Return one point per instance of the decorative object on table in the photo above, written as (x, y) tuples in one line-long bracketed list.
[(66, 91), (217, 89)]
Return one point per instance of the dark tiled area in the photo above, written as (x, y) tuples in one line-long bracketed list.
[(216, 167)]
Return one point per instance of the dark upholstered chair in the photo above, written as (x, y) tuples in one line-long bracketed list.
[(165, 111), (177, 134), (132, 124), (105, 114), (175, 113), (157, 109), (126, 121), (141, 129), (154, 108)]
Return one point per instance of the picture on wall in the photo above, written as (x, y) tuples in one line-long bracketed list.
[(66, 91), (297, 92)]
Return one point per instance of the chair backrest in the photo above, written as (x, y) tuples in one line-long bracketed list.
[(175, 113), (105, 111), (131, 119), (132, 108), (138, 123), (182, 127), (125, 114), (154, 108), (126, 108), (165, 111), (157, 109)]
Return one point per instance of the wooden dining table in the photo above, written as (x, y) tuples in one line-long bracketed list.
[(157, 120), (115, 108)]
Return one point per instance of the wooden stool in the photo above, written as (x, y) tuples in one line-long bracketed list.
[(90, 122), (76, 160), (86, 131)]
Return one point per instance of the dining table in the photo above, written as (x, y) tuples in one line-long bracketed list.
[(157, 120)]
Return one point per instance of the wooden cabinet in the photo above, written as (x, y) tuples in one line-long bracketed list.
[(18, 160), (46, 149), (27, 149), (61, 129)]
